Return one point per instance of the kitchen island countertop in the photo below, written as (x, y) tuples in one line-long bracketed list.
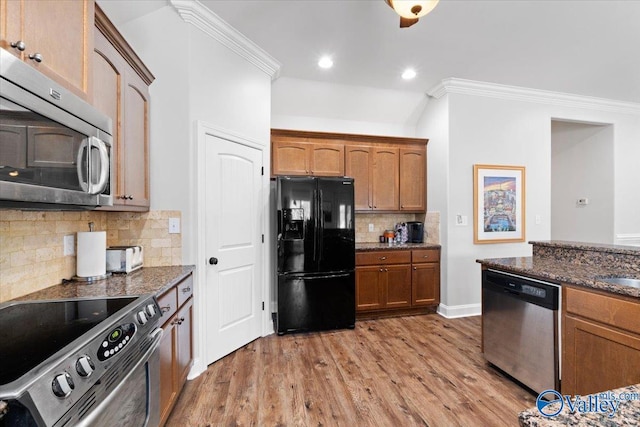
[(627, 412), (147, 280), (375, 246)]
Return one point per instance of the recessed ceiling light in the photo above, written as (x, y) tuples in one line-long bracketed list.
[(408, 74), (325, 62)]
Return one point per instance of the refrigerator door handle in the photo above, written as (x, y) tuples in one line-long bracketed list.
[(321, 228), (315, 224)]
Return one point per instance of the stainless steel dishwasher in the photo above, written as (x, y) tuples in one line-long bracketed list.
[(520, 328)]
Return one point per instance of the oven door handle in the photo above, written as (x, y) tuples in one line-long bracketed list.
[(89, 420)]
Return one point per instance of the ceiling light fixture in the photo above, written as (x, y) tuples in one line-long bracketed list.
[(325, 62), (411, 10), (408, 74)]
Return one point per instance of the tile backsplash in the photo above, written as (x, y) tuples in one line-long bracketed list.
[(32, 251), (383, 222)]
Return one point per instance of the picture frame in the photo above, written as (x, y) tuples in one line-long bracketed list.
[(498, 204)]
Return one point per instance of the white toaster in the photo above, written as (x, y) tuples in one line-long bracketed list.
[(124, 259)]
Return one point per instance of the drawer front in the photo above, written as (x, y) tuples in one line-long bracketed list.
[(612, 311), (185, 290), (168, 303), (383, 257), (425, 255)]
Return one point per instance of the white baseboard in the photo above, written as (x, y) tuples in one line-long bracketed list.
[(466, 310), (196, 369)]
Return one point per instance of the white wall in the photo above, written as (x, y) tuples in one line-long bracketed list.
[(582, 167), (197, 78), (492, 127), (326, 107)]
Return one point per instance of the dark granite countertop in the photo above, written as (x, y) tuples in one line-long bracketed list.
[(562, 271), (597, 247), (626, 414), (147, 280), (375, 246)]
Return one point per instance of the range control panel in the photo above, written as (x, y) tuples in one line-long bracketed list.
[(117, 339)]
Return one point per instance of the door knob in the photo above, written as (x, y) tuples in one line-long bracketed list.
[(213, 260)]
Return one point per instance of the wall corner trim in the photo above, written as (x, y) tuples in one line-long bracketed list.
[(465, 310), (494, 90), (195, 13)]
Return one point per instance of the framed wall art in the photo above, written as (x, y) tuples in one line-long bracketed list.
[(498, 204)]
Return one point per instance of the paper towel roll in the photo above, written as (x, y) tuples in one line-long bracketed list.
[(92, 254)]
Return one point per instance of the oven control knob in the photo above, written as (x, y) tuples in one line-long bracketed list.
[(150, 310), (85, 366), (141, 317), (62, 385)]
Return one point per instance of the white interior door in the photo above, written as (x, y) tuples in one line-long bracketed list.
[(233, 246)]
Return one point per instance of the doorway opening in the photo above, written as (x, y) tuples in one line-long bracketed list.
[(582, 182)]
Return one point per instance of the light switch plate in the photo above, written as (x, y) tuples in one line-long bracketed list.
[(174, 225), (69, 245), (461, 220)]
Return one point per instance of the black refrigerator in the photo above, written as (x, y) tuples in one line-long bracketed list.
[(315, 254)]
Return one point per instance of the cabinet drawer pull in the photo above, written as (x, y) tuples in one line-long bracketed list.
[(19, 45), (185, 290), (426, 256), (383, 258), (381, 270), (35, 57), (165, 308)]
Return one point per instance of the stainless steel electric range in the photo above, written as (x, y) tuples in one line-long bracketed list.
[(80, 362)]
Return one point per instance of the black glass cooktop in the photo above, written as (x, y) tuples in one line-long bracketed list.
[(31, 332)]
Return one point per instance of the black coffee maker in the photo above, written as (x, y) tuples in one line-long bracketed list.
[(415, 232)]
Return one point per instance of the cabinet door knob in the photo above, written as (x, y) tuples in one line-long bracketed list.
[(383, 258), (415, 268), (19, 45), (185, 290), (381, 270), (213, 260), (35, 57)]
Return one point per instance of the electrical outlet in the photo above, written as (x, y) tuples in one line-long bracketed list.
[(538, 219), (174, 225), (69, 245), (371, 227)]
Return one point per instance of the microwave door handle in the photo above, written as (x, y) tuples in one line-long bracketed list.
[(79, 160), (99, 186)]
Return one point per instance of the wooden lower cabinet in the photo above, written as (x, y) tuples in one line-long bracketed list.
[(176, 349), (388, 281), (383, 287), (600, 342)]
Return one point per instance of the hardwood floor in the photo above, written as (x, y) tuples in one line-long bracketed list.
[(419, 370)]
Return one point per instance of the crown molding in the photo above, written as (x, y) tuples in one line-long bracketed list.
[(195, 13), (494, 90)]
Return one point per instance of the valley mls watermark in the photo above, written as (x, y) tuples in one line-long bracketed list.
[(551, 403)]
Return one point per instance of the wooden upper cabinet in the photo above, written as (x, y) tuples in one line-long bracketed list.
[(389, 172), (55, 37), (358, 165), (385, 179), (289, 156), (413, 163), (302, 156), (327, 158), (121, 88)]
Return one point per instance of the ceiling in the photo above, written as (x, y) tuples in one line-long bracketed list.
[(581, 47)]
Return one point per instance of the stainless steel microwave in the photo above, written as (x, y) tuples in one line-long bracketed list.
[(55, 149)]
